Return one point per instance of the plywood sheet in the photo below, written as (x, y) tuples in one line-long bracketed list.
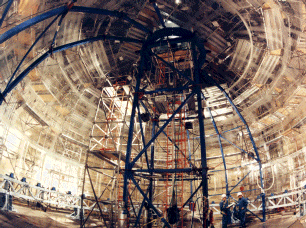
[(284, 111), (47, 97), (33, 75), (268, 120), (64, 111), (25, 38), (28, 7), (301, 92), (21, 52), (39, 87)]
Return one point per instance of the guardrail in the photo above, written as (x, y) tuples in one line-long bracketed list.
[(288, 199), (26, 191)]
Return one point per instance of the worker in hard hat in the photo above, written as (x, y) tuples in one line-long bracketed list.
[(242, 208), (225, 211)]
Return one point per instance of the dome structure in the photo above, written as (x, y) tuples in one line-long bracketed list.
[(86, 87)]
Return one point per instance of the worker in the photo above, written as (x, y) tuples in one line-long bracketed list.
[(225, 211), (242, 208)]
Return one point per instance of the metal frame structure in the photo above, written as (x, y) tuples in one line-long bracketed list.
[(195, 84), (105, 144), (289, 199), (36, 194)]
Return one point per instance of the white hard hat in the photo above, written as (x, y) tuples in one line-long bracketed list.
[(239, 194), (223, 196)]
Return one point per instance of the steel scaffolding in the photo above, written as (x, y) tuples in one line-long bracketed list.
[(194, 83), (143, 180), (105, 145)]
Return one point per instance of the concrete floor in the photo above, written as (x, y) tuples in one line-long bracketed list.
[(288, 220), (26, 217), (279, 222)]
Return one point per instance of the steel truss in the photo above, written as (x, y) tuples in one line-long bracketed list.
[(105, 154), (193, 86)]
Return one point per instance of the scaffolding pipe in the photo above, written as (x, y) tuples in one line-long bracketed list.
[(189, 152)]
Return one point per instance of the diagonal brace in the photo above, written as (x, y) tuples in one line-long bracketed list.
[(160, 130)]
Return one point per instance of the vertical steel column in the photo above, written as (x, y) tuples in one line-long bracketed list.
[(202, 132), (212, 81), (127, 173), (83, 189), (189, 151), (149, 222)]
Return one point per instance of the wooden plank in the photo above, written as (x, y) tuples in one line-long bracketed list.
[(28, 7), (64, 111), (47, 97)]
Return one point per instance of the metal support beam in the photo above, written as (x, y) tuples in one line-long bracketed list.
[(150, 203), (213, 82), (151, 192), (221, 148), (239, 182), (96, 198), (79, 9), (21, 76), (161, 20), (160, 130), (128, 166), (202, 133)]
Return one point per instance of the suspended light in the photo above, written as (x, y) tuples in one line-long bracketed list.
[(178, 2)]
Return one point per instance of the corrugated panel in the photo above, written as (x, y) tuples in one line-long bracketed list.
[(241, 53), (273, 26), (246, 94), (295, 101), (301, 42), (300, 91), (268, 120), (284, 111), (257, 125), (217, 102), (266, 68)]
